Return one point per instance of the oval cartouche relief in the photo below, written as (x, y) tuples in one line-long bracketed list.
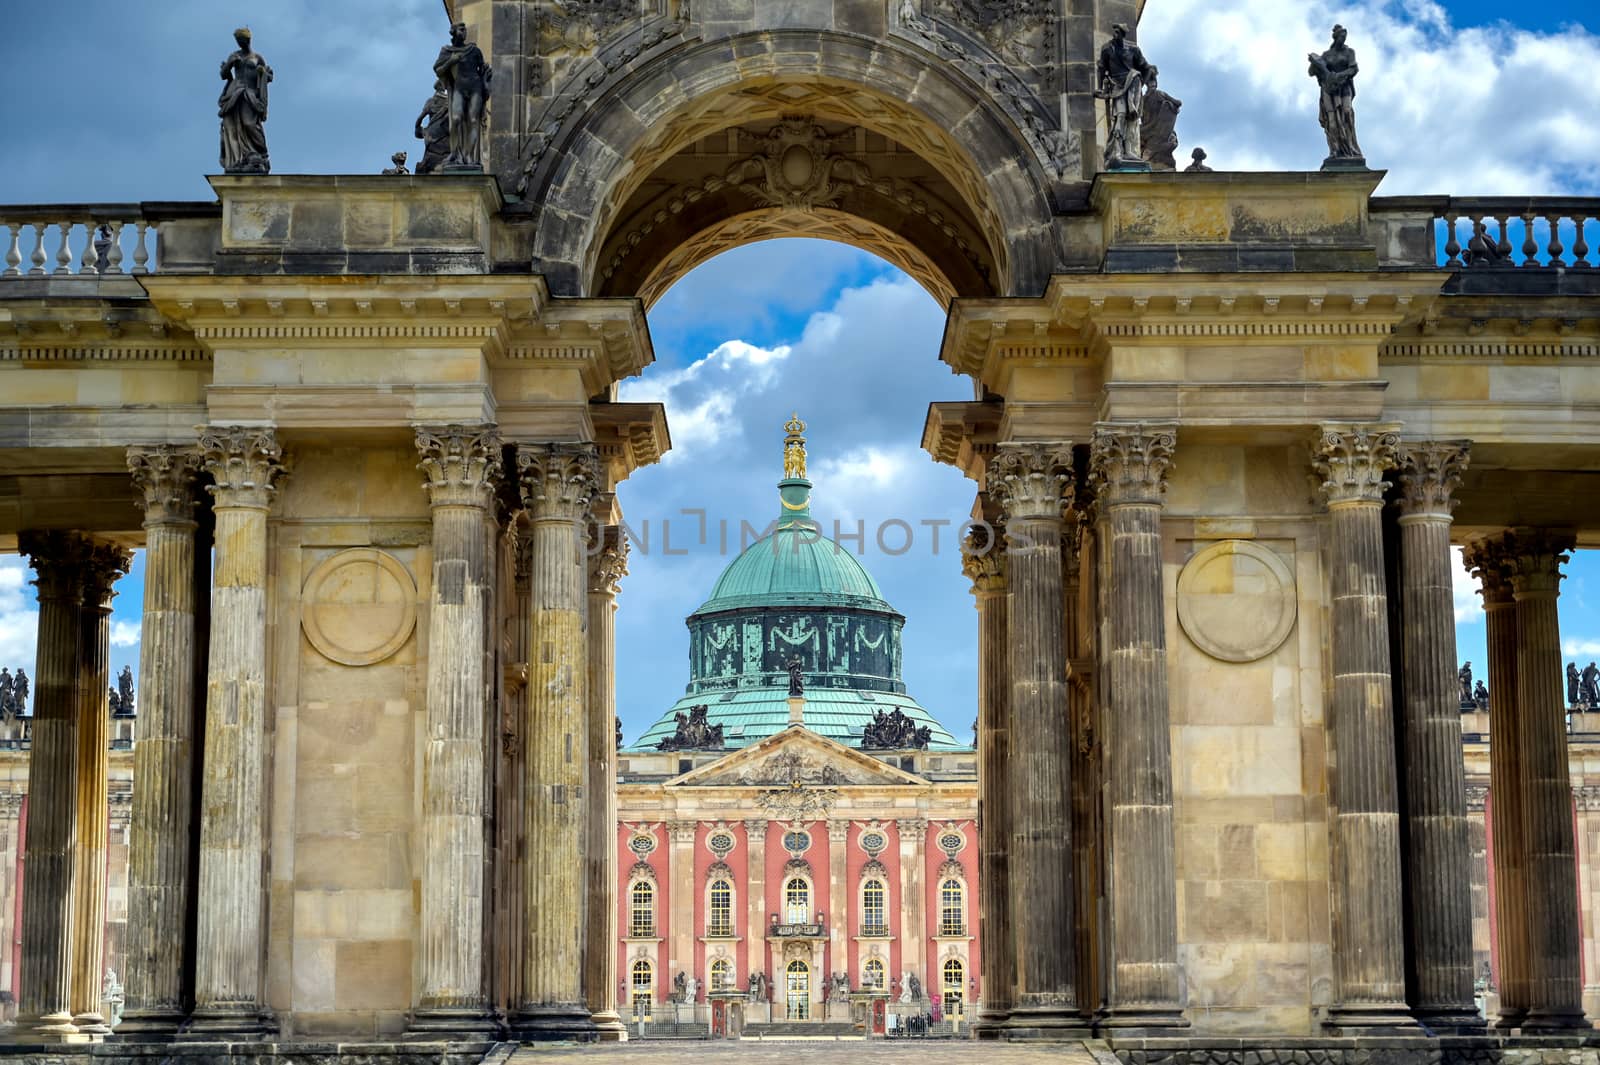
[(359, 606), (1236, 600)]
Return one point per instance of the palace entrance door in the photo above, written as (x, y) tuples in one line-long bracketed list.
[(798, 991)]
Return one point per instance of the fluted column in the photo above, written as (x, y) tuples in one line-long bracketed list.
[(1031, 482), (608, 564), (839, 894), (1487, 559), (558, 481), (159, 877), (984, 563), (1438, 866), (106, 563), (45, 1012), (244, 463), (1555, 974), (913, 833), (1369, 946), (461, 470), (755, 840), (1128, 467)]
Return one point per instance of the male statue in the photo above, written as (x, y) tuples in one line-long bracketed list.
[(1573, 684), (466, 79), (1122, 73), (1335, 71), (8, 705), (1158, 128), (1590, 692), (20, 691), (1464, 682), (435, 136)]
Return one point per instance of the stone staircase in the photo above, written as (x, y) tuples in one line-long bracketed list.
[(657, 1030), (802, 1030)]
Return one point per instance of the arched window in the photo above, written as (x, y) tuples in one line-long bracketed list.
[(719, 915), (644, 976), (642, 909), (874, 909), (797, 901), (721, 975), (872, 975), (798, 997), (955, 986), (952, 908)]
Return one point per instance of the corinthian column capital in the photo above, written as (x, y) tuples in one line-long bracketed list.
[(983, 560), (1129, 463), (1031, 480), (1352, 459), (1490, 562), (106, 564), (1534, 558), (558, 480), (609, 564), (244, 462), (58, 559), (164, 482), (1430, 470), (461, 464)]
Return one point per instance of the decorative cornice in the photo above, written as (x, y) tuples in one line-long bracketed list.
[(338, 330), (461, 464), (1430, 470), (244, 462), (558, 480), (1489, 349), (164, 479), (1129, 463), (1352, 459), (34, 353), (1031, 481)]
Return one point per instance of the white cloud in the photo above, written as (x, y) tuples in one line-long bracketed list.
[(1580, 647), (124, 634), (19, 618), (1469, 605), (1485, 110), (700, 397)]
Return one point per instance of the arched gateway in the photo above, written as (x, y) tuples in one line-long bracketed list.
[(1221, 774)]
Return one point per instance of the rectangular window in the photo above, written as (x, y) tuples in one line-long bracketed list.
[(719, 922)]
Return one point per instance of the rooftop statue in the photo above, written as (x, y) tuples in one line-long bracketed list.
[(435, 136), (13, 694), (399, 167), (695, 733), (1158, 128), (1589, 686), (1574, 684), (1199, 165), (121, 697), (1335, 71), (797, 682), (1122, 72), (243, 109), (894, 731), (466, 79)]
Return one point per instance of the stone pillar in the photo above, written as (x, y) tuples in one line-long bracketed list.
[(1439, 860), (159, 875), (607, 566), (45, 983), (984, 563), (106, 563), (461, 467), (243, 463), (913, 834), (1031, 482), (1487, 559), (755, 840), (678, 932), (1369, 943), (1129, 471), (558, 481), (838, 899), (1555, 977)]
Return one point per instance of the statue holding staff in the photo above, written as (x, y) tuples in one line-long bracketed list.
[(1122, 71), (1335, 70), (243, 109)]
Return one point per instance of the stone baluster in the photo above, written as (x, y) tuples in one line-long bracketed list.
[(1369, 947), (141, 255), (1580, 243), (1128, 466), (164, 479), (89, 261), (64, 249), (1031, 482), (106, 563), (1555, 973), (1530, 246), (243, 463), (14, 251), (1488, 560), (558, 481), (608, 564), (1554, 247), (1452, 241), (37, 259), (1439, 861), (461, 470), (45, 1013), (984, 562)]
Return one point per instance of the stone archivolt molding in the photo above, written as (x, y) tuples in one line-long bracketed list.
[(461, 464), (164, 480), (1031, 480), (243, 462), (1430, 471), (1352, 459)]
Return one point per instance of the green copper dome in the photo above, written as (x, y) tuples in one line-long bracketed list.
[(795, 594)]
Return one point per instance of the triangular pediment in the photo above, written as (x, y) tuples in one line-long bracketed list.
[(795, 758)]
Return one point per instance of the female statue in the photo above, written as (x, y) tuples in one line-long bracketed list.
[(243, 109), (1335, 70)]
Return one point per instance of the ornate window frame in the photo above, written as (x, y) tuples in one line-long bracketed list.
[(732, 969), (646, 884), (950, 873), (721, 873), (790, 875), (875, 961), (876, 873)]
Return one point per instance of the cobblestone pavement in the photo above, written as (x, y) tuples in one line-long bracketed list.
[(820, 1052)]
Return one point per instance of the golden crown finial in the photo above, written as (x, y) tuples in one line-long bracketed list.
[(794, 448)]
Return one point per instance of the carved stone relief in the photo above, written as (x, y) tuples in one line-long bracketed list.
[(359, 606), (1236, 600)]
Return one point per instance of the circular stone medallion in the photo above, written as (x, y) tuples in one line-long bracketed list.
[(360, 606), (1236, 600)]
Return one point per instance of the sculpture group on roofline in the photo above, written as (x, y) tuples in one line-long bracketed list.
[(1583, 688), (1141, 118), (894, 731), (13, 694), (695, 733)]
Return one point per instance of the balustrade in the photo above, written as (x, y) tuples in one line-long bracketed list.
[(77, 241), (1520, 234)]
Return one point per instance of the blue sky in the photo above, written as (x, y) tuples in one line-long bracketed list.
[(803, 325)]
